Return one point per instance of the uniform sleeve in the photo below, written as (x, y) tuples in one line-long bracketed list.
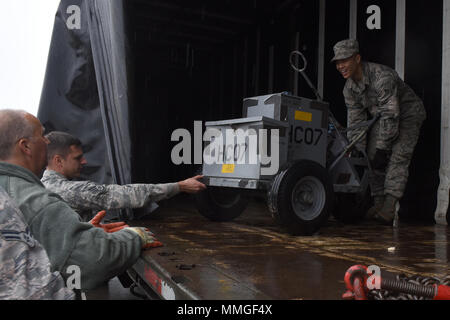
[(389, 109), (87, 195), (69, 242), (356, 114)]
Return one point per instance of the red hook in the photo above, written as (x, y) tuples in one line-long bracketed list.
[(355, 281)]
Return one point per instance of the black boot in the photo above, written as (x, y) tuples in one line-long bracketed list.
[(386, 214), (378, 202)]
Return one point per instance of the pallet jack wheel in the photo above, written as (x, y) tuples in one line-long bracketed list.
[(301, 197), (220, 203)]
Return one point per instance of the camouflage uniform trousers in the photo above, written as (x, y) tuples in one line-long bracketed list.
[(393, 179)]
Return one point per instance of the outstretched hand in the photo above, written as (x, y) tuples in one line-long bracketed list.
[(192, 185), (107, 227)]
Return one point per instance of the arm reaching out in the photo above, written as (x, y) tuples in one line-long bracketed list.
[(192, 185)]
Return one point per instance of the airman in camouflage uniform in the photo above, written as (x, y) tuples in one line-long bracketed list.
[(87, 197), (97, 251), (24, 264), (65, 161), (373, 89)]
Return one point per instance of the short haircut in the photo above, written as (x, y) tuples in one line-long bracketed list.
[(60, 143), (13, 127)]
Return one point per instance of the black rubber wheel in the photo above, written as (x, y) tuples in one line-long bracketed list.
[(302, 197), (221, 204), (352, 207)]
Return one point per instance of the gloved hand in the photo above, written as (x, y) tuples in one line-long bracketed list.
[(107, 227), (355, 153), (147, 237), (381, 159)]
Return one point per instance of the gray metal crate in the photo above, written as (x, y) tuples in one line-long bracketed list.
[(302, 125)]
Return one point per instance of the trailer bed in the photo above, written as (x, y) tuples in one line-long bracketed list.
[(252, 258)]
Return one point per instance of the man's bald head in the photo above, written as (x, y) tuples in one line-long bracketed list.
[(14, 125), (22, 141)]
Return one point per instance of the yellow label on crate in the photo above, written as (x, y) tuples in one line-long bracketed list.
[(303, 116), (227, 168)]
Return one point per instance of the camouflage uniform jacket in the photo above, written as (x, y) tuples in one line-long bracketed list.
[(85, 196), (381, 91), (68, 241), (24, 264)]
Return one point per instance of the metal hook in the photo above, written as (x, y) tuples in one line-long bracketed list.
[(302, 71), (305, 62)]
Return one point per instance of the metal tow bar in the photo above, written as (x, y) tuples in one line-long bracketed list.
[(356, 283), (296, 54)]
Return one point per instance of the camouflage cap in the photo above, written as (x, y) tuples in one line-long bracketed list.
[(345, 49)]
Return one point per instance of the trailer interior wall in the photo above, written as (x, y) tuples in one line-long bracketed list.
[(335, 30), (197, 60), (423, 72)]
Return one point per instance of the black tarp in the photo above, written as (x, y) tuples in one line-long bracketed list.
[(85, 90)]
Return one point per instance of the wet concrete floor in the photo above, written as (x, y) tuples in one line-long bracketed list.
[(253, 258)]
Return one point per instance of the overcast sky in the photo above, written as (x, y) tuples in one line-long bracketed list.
[(25, 32)]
